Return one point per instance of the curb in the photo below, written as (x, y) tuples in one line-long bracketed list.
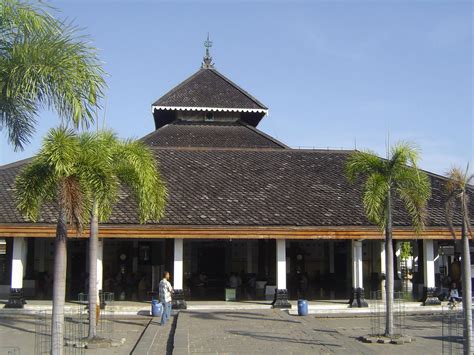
[(181, 339)]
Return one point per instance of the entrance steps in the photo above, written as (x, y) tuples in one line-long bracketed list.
[(330, 308)]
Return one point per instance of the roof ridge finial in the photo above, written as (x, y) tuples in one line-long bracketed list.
[(207, 60)]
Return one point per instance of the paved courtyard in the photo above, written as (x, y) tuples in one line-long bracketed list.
[(276, 332), (20, 334), (242, 332)]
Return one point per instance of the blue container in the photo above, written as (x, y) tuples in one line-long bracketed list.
[(302, 307), (156, 308)]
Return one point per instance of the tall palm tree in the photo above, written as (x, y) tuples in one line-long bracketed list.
[(110, 163), (457, 188), (55, 176), (44, 63), (386, 179)]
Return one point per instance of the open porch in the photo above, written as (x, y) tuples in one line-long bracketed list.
[(218, 269)]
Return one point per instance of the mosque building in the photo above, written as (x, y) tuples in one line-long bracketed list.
[(243, 210)]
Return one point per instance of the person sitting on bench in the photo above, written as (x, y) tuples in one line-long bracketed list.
[(454, 294)]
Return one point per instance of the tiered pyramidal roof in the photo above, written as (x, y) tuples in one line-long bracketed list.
[(208, 95), (209, 90)]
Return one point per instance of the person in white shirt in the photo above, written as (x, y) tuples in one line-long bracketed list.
[(454, 294), (165, 291)]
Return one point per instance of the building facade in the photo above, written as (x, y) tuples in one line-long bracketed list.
[(244, 212)]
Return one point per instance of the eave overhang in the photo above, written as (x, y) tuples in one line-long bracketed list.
[(225, 232), (208, 109)]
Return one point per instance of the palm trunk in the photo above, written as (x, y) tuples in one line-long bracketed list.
[(389, 269), (466, 291), (59, 285), (93, 245)]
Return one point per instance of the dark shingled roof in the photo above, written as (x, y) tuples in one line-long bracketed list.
[(209, 134), (209, 88), (248, 187)]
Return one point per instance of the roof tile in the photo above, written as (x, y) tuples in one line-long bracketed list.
[(240, 187)]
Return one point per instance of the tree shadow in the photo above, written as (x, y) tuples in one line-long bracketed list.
[(259, 318), (120, 321), (278, 339), (16, 327), (170, 341), (229, 315)]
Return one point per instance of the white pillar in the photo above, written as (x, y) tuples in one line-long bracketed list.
[(357, 277), (178, 264), (428, 258), (382, 268), (382, 257), (281, 263), (397, 266), (18, 262), (100, 267), (331, 257)]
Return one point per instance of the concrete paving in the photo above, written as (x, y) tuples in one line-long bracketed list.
[(277, 332), (242, 331), (157, 339), (19, 332)]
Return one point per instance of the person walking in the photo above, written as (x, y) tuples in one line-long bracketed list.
[(165, 290)]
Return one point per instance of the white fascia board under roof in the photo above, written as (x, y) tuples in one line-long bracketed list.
[(215, 109)]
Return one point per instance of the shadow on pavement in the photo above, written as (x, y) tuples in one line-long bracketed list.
[(274, 338), (222, 315)]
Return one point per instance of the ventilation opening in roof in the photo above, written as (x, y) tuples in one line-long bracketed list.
[(209, 117)]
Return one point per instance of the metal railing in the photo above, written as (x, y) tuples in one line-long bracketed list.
[(453, 331), (378, 306), (76, 326), (74, 333)]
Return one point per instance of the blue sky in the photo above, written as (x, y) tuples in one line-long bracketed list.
[(333, 74)]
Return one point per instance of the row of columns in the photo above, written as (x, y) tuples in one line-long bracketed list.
[(281, 293), (357, 295), (17, 299)]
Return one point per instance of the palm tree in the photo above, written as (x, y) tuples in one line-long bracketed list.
[(457, 188), (385, 179), (111, 163), (55, 176), (44, 63)]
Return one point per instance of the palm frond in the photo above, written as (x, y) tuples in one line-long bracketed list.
[(61, 150), (413, 187), (138, 169), (398, 173), (375, 199), (18, 117), (363, 163), (404, 154), (22, 19), (457, 190), (45, 63), (97, 169), (35, 183)]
